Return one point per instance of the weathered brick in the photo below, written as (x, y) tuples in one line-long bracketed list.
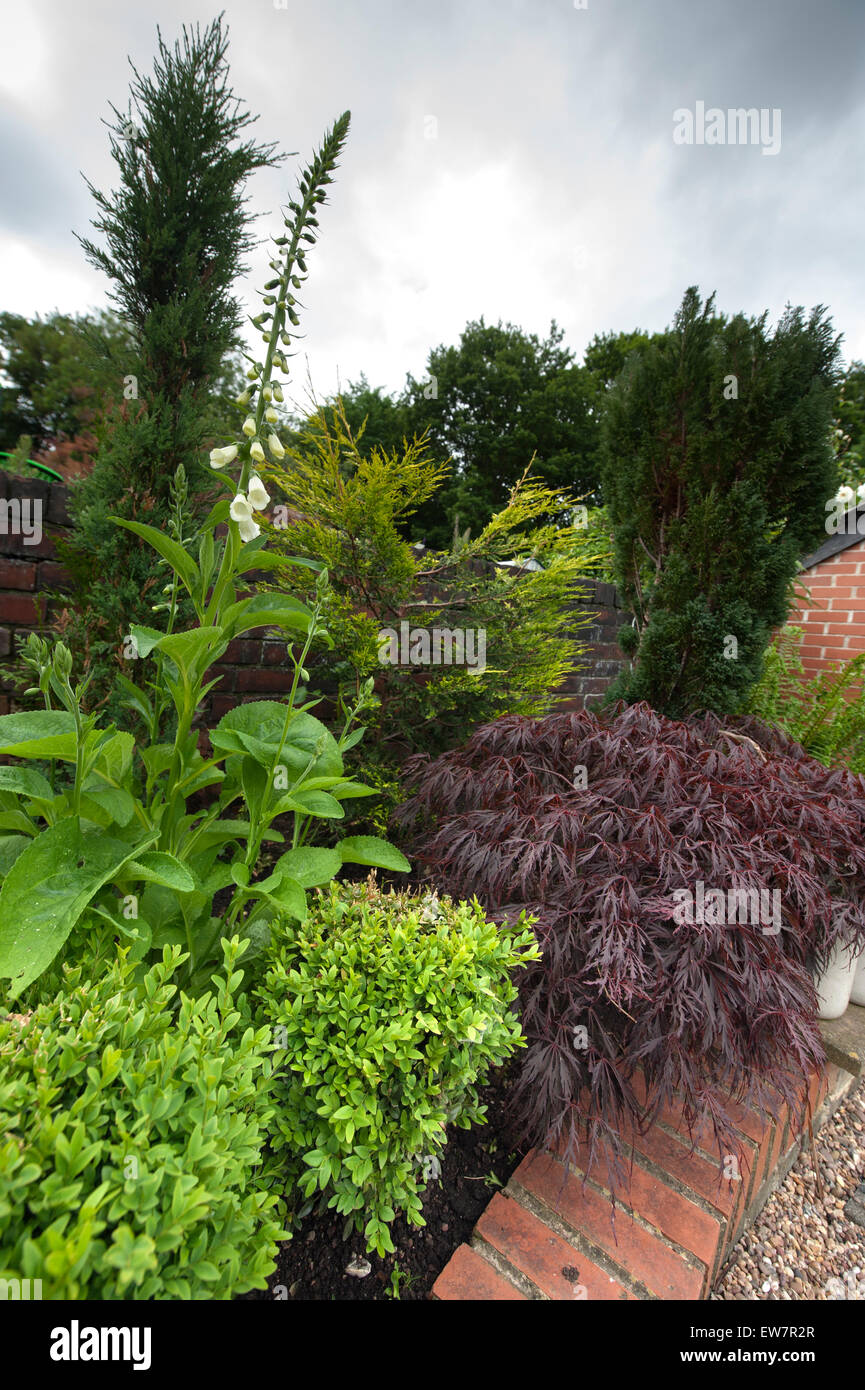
[(51, 575), (643, 1253), (673, 1213), (17, 574), (221, 704), (21, 609), (5, 641), (752, 1150), (58, 505), (44, 549), (468, 1276), (224, 674), (694, 1172), (558, 1269), (242, 651), (258, 678), (274, 653)]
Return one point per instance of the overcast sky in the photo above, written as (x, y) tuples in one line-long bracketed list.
[(508, 158)]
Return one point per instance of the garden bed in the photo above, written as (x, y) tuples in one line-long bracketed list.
[(476, 1163)]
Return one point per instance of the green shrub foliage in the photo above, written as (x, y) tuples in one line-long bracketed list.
[(133, 1138), (825, 715), (349, 508), (392, 1011), (717, 465)]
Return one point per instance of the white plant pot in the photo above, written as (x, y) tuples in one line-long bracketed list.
[(857, 994), (835, 985)]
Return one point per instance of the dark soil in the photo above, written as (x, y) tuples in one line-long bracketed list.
[(476, 1163)]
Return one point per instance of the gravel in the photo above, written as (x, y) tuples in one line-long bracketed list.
[(803, 1245)]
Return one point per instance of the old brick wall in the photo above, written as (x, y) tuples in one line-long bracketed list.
[(605, 659), (27, 571)]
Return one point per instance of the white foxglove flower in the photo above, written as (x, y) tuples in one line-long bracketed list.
[(249, 427), (275, 446), (256, 451), (220, 457), (860, 492), (243, 398), (241, 512), (257, 494), (845, 495), (271, 415)]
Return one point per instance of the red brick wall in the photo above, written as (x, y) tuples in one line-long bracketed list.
[(28, 571), (833, 622)]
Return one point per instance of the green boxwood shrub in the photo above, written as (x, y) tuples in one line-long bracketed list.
[(391, 1010), (131, 1138)]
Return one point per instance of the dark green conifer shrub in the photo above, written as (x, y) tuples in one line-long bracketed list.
[(717, 465), (176, 236)]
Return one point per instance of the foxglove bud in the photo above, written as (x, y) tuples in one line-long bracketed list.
[(249, 427), (275, 446), (256, 451), (271, 415), (62, 661)]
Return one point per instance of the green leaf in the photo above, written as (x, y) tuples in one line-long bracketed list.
[(253, 779), (347, 790), (352, 739), (223, 831), (258, 728), (310, 867), (146, 638), (40, 733), (45, 893), (285, 893), (157, 758), (115, 758), (155, 866), (11, 846), (115, 803), (369, 849), (160, 907), (17, 820), (266, 610), (135, 698), (254, 557), (311, 804), (26, 781), (169, 549), (217, 515), (291, 896), (187, 649)]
